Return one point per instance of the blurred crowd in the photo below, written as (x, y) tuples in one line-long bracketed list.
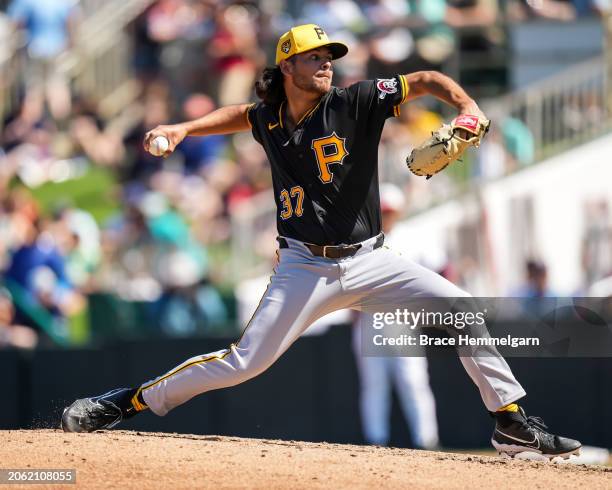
[(189, 57)]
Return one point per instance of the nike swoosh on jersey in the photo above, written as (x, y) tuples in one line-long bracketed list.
[(536, 440), (271, 126)]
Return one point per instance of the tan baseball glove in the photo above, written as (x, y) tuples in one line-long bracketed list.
[(447, 144)]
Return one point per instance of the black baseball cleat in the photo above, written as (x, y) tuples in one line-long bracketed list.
[(99, 412), (523, 437)]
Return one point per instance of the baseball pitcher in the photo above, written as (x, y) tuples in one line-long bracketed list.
[(322, 144)]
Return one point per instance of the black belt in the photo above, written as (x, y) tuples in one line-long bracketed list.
[(333, 251)]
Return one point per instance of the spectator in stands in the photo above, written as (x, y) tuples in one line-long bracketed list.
[(189, 304), (547, 9), (19, 123), (11, 334), (518, 142), (18, 212), (254, 175), (33, 156), (383, 13), (434, 39), (408, 375), (173, 33), (141, 165), (37, 272), (78, 237), (234, 53), (50, 27), (536, 285), (152, 257), (129, 254), (417, 123), (336, 15), (491, 158), (597, 241), (471, 13), (198, 153), (92, 138), (534, 293), (476, 22)]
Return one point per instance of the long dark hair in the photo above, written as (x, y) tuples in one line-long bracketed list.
[(269, 87)]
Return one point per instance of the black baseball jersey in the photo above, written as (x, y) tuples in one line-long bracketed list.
[(325, 172)]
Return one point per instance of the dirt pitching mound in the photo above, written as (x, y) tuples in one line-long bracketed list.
[(123, 459)]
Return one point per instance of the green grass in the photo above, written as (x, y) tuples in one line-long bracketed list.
[(94, 192)]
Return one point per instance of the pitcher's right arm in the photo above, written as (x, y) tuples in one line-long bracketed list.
[(225, 120)]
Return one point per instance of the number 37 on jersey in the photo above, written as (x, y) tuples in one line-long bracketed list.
[(329, 150)]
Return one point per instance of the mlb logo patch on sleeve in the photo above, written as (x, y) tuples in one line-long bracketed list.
[(386, 86)]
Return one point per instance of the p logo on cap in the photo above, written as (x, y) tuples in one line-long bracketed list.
[(303, 38)]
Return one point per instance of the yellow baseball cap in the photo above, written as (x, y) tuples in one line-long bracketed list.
[(304, 38)]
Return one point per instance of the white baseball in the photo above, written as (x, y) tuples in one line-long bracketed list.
[(159, 146)]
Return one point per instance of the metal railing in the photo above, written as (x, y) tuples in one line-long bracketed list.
[(99, 63), (565, 110)]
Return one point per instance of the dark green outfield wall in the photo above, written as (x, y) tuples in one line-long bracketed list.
[(309, 394)]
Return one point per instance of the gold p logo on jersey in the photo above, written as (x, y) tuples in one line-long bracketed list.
[(328, 150)]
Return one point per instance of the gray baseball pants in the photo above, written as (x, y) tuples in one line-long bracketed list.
[(302, 289)]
